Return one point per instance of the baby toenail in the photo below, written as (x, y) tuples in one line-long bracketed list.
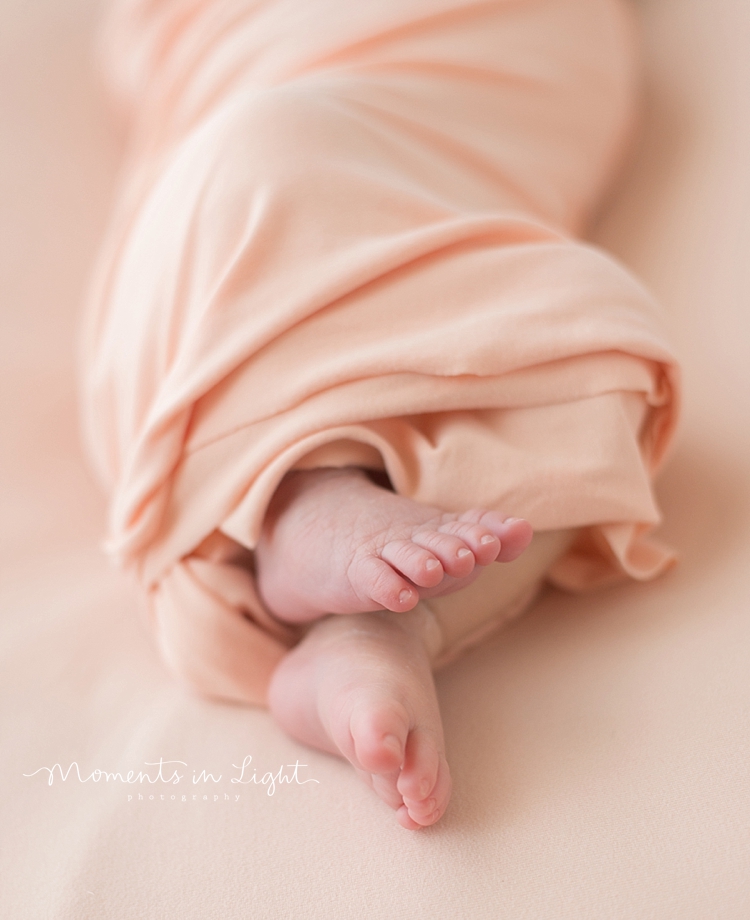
[(405, 596), (392, 743), (431, 564), (512, 520), (463, 553), (488, 538), (424, 788)]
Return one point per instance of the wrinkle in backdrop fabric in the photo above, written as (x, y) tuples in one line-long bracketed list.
[(347, 235)]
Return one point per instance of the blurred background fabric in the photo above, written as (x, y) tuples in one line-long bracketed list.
[(600, 746)]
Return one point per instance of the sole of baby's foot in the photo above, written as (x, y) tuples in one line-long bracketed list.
[(361, 687), (334, 542)]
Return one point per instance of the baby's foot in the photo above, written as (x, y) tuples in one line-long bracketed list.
[(334, 542), (361, 687)]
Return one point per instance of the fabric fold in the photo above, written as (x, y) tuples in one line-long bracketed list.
[(348, 234)]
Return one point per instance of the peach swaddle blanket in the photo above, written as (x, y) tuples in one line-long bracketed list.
[(345, 235)]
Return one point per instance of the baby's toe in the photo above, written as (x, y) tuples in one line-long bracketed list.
[(440, 796), (452, 552), (379, 736), (420, 769), (480, 539), (414, 562), (514, 534), (515, 537), (424, 811), (384, 786), (405, 819), (376, 582)]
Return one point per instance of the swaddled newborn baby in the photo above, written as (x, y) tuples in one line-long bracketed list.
[(345, 350)]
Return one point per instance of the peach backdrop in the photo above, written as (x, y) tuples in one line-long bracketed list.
[(600, 746)]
